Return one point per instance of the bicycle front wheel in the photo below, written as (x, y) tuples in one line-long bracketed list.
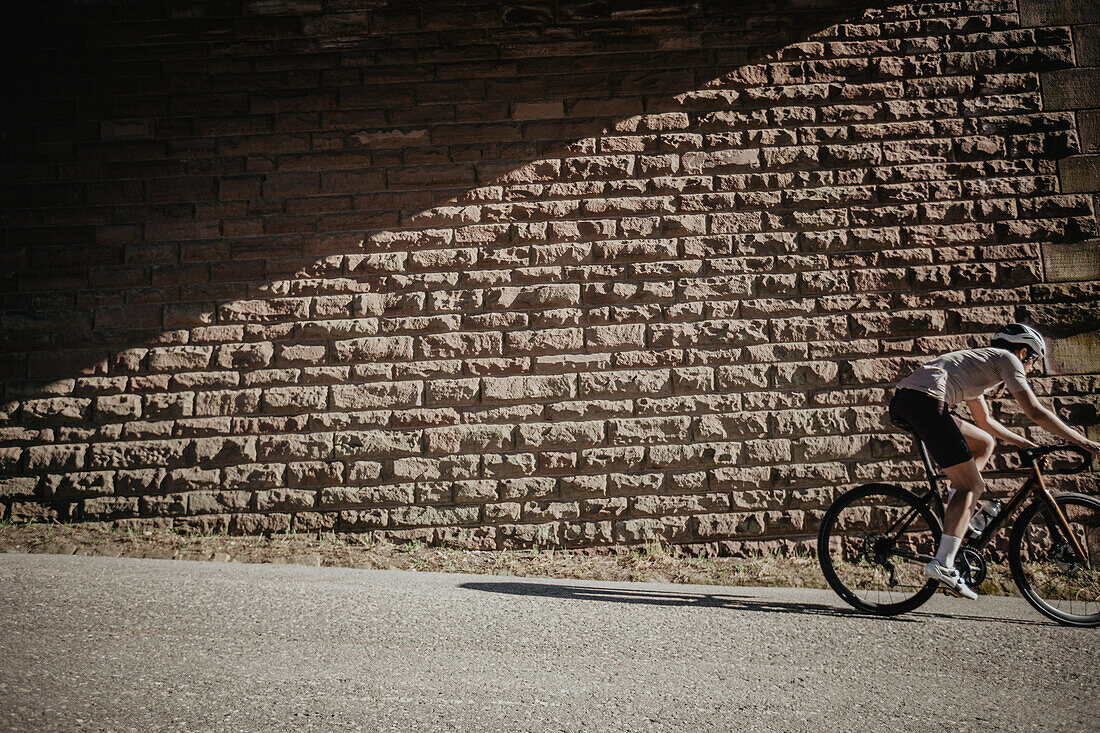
[(873, 545), (1047, 567)]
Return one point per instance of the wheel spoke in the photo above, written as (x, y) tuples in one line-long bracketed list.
[(873, 545), (1050, 572)]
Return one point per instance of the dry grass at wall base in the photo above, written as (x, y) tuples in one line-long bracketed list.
[(652, 563), (649, 563)]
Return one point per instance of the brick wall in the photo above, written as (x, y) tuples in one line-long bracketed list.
[(501, 275)]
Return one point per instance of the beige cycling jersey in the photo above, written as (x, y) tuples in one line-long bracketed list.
[(967, 375)]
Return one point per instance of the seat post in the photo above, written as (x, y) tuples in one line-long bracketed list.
[(927, 460)]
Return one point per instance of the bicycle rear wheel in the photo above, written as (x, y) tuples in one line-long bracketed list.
[(874, 563), (1046, 567)]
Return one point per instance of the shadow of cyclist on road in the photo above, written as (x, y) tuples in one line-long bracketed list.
[(610, 594)]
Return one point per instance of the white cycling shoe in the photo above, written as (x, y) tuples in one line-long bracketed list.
[(949, 577)]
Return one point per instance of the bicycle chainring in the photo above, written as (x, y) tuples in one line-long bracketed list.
[(971, 566)]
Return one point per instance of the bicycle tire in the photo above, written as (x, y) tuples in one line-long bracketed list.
[(1044, 568), (852, 557)]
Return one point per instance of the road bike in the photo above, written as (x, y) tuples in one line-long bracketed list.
[(876, 539)]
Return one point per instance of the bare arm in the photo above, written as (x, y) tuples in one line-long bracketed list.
[(980, 412), (1051, 422)]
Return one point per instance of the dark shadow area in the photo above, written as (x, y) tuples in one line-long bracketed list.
[(164, 166)]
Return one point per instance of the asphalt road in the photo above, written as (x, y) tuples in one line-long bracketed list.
[(93, 643)]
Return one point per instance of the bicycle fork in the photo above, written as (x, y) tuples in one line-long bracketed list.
[(1059, 516)]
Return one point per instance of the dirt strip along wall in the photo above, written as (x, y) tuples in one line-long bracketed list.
[(538, 274)]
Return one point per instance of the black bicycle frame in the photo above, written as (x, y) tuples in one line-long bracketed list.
[(1056, 520)]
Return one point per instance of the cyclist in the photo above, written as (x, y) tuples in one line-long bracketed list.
[(924, 400)]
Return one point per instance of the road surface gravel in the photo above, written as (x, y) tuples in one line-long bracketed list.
[(94, 643)]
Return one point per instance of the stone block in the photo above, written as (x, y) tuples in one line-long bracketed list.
[(225, 450), (585, 486), (468, 538), (541, 511), (648, 430), (435, 468), (656, 529), (285, 500), (18, 487), (377, 396), (535, 296), (718, 526), (587, 534), (725, 427), (1071, 262), (475, 491), (259, 523), (117, 408), (374, 348), (417, 516), (1080, 173), (545, 341), (191, 479), (217, 502), (1086, 42), (168, 405), (1071, 89), (524, 536), (314, 473), (806, 374), (179, 358), (452, 391), (633, 484), (459, 345), (253, 476), (358, 520), (528, 388), (1078, 354), (109, 507), (294, 447), (469, 439), (156, 453), (508, 511), (377, 443), (56, 410), (76, 485), (561, 435), (528, 487), (244, 356), (1057, 12), (1088, 126), (619, 384), (228, 402)]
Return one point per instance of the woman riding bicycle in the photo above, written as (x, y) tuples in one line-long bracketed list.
[(924, 400)]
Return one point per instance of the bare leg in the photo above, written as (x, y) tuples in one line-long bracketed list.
[(966, 479), (969, 485), (981, 443)]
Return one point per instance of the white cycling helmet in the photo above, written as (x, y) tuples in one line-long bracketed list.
[(1018, 334)]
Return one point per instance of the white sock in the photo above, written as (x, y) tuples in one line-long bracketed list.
[(949, 545)]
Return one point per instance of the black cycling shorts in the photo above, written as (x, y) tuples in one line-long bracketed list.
[(932, 422)]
